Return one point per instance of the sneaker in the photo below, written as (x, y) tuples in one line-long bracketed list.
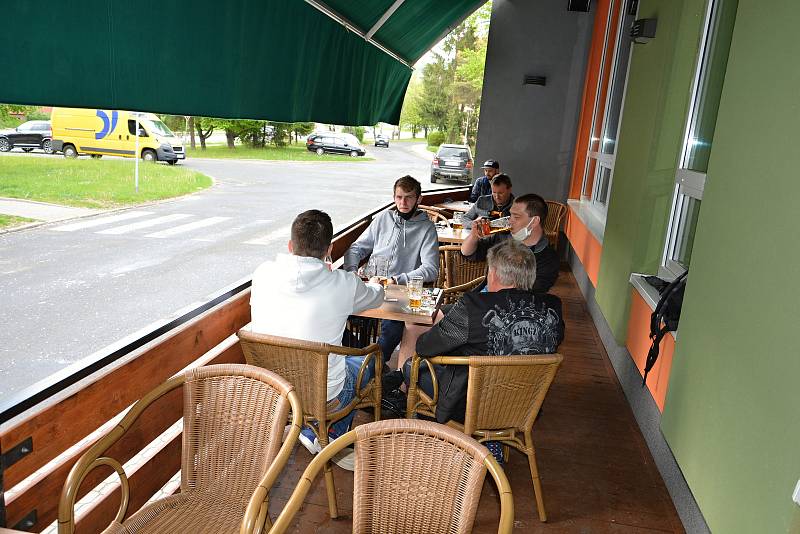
[(496, 448), (392, 380), (346, 459), (309, 440)]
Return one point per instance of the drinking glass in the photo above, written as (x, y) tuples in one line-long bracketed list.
[(378, 266), (458, 220), (415, 293)]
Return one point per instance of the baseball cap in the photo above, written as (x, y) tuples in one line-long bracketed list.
[(491, 164)]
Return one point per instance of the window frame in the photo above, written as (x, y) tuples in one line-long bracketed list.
[(690, 183), (597, 160)]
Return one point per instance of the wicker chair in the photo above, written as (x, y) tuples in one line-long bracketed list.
[(393, 488), (305, 365), (458, 269), (552, 225), (233, 422), (504, 395), (434, 214)]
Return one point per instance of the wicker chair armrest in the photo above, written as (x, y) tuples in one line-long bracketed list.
[(412, 401), (93, 458), (467, 286), (256, 516), (284, 520), (506, 525)]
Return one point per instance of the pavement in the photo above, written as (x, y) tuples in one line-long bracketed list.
[(41, 211)]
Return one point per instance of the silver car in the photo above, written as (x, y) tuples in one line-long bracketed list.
[(452, 162)]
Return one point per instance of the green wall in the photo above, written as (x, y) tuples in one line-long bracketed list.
[(651, 133), (732, 415)]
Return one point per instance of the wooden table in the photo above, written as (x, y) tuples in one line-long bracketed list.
[(456, 205), (398, 310), (450, 236)]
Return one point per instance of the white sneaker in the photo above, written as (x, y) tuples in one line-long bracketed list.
[(312, 446), (346, 459)]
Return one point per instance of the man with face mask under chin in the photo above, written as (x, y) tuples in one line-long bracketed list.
[(527, 214)]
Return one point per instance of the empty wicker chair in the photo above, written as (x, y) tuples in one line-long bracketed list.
[(457, 268), (233, 422), (552, 225), (305, 365), (504, 395), (394, 490)]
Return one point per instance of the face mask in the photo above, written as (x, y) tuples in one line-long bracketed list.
[(523, 233)]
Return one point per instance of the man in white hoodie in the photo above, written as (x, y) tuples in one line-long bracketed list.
[(408, 238), (299, 296)]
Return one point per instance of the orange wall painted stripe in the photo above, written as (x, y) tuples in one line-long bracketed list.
[(590, 88), (585, 245), (638, 344)]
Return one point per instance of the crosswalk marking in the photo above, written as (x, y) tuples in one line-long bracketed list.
[(280, 233), (101, 221), (188, 227), (124, 229), (218, 236)]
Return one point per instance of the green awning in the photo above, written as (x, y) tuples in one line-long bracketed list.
[(282, 60)]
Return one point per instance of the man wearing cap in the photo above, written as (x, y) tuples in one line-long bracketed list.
[(482, 186), (497, 204)]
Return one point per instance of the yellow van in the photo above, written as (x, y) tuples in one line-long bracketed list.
[(99, 132)]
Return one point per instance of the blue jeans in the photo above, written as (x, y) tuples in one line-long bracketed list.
[(391, 334), (349, 392)]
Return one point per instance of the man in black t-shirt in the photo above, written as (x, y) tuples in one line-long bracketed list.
[(527, 214), (507, 319)]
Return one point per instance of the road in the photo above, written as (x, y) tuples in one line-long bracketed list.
[(72, 288)]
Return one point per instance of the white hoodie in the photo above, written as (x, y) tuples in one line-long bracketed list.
[(299, 297)]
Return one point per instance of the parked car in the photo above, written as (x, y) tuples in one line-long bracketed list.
[(452, 162), (27, 136), (99, 132), (381, 140), (335, 144)]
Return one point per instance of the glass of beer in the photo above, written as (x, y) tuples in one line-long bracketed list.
[(415, 293), (458, 221)]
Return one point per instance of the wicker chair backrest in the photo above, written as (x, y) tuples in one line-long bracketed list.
[(414, 476), (233, 423), (458, 269), (507, 391), (303, 363)]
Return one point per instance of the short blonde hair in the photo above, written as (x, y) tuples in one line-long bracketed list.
[(513, 263)]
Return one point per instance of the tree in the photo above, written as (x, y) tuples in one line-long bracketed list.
[(302, 128), (205, 127), (452, 83), (411, 115)]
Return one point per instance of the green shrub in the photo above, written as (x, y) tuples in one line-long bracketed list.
[(435, 138), (358, 131), (37, 116)]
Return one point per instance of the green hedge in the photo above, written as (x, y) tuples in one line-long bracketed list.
[(435, 138)]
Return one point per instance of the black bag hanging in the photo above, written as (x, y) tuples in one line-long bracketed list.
[(668, 311)]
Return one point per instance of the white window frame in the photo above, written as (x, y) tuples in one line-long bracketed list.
[(688, 183), (599, 206)]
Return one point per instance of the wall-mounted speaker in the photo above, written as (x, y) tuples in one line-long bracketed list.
[(534, 80), (578, 5)]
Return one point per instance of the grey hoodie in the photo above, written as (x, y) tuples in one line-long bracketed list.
[(412, 246)]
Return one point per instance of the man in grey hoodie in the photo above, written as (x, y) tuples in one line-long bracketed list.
[(407, 237)]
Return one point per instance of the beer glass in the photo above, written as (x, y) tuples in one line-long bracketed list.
[(458, 221), (415, 293)]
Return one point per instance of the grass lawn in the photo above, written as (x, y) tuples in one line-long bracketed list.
[(287, 153), (7, 221), (94, 183)]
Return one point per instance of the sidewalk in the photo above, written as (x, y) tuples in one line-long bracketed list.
[(41, 211)]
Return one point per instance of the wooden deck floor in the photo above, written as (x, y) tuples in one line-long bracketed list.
[(597, 474)]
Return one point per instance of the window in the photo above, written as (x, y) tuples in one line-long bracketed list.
[(690, 177), (132, 128), (599, 169)]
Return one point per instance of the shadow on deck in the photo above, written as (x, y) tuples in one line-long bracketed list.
[(597, 474)]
